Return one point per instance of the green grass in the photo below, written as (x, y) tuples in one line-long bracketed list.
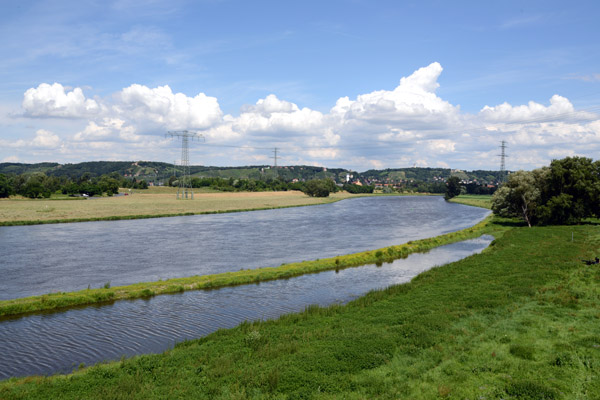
[(519, 321), (53, 301), (483, 201)]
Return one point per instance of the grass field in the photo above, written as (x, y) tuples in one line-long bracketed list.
[(483, 201), (159, 201), (519, 321)]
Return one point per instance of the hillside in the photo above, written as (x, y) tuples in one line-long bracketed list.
[(159, 171)]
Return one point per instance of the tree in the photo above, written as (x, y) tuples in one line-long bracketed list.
[(355, 189), (521, 195), (453, 187), (564, 193), (6, 187), (572, 191), (319, 187), (34, 188)]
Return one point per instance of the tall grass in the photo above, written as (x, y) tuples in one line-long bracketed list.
[(146, 289), (518, 321)]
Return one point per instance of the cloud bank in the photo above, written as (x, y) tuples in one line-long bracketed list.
[(404, 126)]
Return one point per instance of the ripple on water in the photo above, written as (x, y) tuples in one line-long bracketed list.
[(67, 257), (58, 342)]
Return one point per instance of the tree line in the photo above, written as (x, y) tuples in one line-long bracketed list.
[(313, 187), (566, 192), (40, 185)]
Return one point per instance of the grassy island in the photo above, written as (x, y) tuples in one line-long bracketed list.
[(61, 300), (518, 321)]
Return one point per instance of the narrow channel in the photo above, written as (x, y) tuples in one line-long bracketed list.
[(58, 342)]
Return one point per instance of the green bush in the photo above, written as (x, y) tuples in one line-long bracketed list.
[(319, 187)]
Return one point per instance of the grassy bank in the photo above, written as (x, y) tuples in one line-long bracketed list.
[(519, 321), (156, 202), (483, 201), (146, 289)]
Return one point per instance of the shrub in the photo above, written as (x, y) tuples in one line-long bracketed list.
[(319, 187)]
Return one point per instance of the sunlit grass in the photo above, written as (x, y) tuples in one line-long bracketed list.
[(476, 200), (518, 321)]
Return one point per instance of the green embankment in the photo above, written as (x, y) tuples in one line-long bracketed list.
[(475, 200), (518, 321), (146, 289)]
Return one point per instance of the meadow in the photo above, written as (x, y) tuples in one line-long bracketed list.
[(153, 202), (475, 200), (518, 321)]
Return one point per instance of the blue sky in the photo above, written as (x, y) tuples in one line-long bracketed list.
[(340, 83)]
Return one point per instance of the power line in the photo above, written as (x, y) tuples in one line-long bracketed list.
[(185, 183), (275, 157), (502, 156)]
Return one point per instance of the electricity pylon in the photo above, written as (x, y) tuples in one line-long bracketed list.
[(185, 182), (503, 156)]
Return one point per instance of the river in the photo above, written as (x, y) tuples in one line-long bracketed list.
[(64, 257), (41, 259), (53, 342)]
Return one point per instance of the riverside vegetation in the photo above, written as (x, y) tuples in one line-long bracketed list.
[(518, 321)]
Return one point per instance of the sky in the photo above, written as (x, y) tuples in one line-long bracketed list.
[(337, 83)]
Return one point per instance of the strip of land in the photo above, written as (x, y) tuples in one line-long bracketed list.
[(53, 301), (482, 201), (151, 203), (518, 321)]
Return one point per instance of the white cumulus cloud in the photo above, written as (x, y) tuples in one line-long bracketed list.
[(272, 116), (46, 140), (55, 101), (413, 103), (409, 124), (160, 107), (559, 107)]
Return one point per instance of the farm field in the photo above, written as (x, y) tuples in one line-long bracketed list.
[(160, 201)]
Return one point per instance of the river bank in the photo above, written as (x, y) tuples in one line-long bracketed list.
[(517, 321)]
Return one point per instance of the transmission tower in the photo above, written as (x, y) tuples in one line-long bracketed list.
[(185, 183), (502, 156), (275, 157)]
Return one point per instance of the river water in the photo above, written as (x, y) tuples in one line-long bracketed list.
[(58, 342), (42, 259), (65, 257)]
